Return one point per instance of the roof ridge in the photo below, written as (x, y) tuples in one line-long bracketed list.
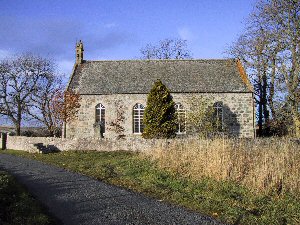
[(171, 60)]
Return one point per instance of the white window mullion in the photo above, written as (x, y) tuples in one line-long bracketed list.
[(100, 115), (181, 116), (138, 110)]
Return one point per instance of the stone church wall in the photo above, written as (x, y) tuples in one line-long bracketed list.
[(238, 113)]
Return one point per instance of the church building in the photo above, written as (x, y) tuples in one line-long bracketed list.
[(114, 94)]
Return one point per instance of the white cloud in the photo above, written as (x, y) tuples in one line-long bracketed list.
[(185, 34)]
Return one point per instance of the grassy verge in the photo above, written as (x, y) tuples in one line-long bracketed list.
[(17, 206), (226, 201)]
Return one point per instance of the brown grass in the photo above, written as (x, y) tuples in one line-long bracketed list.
[(263, 165)]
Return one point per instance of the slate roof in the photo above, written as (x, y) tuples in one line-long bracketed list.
[(138, 76)]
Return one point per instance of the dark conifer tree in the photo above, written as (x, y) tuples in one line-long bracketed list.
[(160, 117)]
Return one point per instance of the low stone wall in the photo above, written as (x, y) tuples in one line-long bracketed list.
[(34, 144)]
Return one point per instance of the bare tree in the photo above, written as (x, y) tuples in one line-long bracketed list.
[(285, 14), (281, 19), (41, 103), (19, 78), (167, 49), (270, 51), (252, 48)]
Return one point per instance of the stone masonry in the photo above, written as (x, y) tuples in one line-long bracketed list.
[(238, 113)]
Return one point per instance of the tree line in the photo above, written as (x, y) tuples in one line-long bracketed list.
[(270, 51)]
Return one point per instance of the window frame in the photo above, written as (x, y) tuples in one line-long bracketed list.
[(138, 108), (219, 106), (101, 115), (180, 111)]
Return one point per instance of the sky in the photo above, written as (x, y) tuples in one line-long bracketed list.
[(117, 29)]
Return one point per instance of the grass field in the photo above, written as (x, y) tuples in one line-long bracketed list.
[(224, 199), (262, 165), (17, 207)]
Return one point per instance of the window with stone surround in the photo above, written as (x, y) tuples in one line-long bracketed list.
[(218, 115), (100, 115), (181, 117), (138, 113)]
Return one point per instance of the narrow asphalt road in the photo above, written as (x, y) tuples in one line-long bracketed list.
[(77, 199)]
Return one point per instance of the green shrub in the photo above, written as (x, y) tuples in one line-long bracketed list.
[(160, 117), (202, 119)]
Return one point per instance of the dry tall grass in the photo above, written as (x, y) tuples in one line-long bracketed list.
[(261, 165)]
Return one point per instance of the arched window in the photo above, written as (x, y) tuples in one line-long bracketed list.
[(138, 113), (181, 117), (218, 115), (100, 115)]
